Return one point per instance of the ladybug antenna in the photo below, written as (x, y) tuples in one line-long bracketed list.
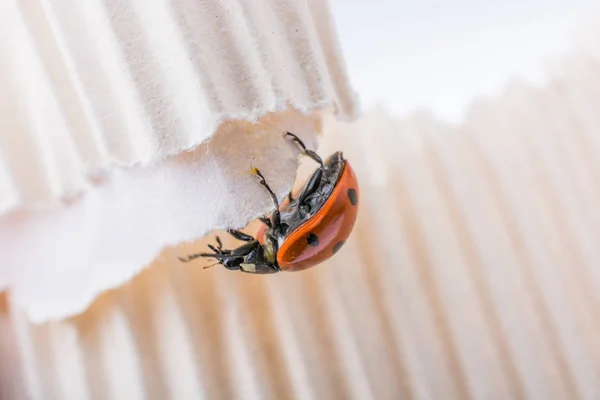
[(211, 265)]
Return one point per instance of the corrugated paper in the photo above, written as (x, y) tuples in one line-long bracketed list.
[(472, 273), (126, 126)]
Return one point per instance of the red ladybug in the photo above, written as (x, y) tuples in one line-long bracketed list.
[(302, 232)]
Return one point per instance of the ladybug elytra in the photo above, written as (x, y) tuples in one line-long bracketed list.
[(303, 231)]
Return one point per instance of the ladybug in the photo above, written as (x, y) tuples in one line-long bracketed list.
[(302, 232)]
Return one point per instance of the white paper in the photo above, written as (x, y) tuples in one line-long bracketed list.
[(98, 100)]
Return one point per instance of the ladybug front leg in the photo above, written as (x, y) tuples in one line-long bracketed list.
[(276, 217), (266, 221), (240, 235)]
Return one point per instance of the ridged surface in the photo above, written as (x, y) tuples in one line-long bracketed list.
[(472, 272), (100, 101), (87, 86), (104, 238)]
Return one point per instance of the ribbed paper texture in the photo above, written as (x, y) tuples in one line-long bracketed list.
[(86, 86), (472, 272), (129, 125)]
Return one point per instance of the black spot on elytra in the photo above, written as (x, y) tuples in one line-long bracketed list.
[(352, 196), (312, 240), (338, 246)]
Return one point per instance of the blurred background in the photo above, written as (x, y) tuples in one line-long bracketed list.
[(441, 54), (473, 271)]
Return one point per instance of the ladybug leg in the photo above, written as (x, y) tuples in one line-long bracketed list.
[(315, 179), (306, 151), (192, 257), (231, 259), (219, 245), (231, 262), (311, 186), (266, 221), (218, 254), (240, 235), (276, 217)]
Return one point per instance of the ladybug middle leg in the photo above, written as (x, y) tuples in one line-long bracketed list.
[(306, 151)]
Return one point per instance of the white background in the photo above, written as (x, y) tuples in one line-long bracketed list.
[(438, 54)]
